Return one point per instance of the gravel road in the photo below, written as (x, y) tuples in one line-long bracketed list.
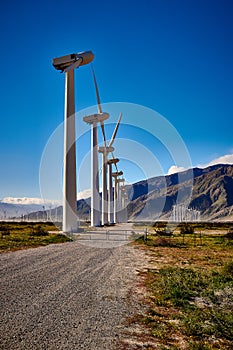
[(67, 296)]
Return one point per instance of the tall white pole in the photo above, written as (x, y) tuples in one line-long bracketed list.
[(119, 201), (123, 206), (115, 199), (110, 195), (105, 198), (104, 189), (95, 200), (70, 189), (126, 205)]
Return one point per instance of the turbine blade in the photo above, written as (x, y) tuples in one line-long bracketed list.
[(115, 131), (103, 132), (74, 65), (97, 91)]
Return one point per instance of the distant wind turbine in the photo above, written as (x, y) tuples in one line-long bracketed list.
[(93, 120), (111, 207), (105, 150), (116, 194)]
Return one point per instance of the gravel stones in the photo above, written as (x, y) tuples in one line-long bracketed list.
[(66, 296)]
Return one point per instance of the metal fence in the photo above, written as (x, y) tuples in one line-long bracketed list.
[(110, 235)]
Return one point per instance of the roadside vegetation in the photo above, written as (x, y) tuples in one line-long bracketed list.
[(21, 235), (189, 286)]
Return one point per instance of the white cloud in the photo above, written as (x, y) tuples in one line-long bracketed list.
[(29, 201), (40, 201), (84, 194), (226, 159), (175, 169)]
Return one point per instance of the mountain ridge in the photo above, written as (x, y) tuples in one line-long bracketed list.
[(212, 193)]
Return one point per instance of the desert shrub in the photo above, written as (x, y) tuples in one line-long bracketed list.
[(57, 238), (5, 232), (199, 345), (164, 232), (187, 229), (228, 269), (160, 224), (39, 231), (229, 234), (163, 242)]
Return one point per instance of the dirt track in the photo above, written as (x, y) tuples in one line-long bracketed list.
[(67, 296)]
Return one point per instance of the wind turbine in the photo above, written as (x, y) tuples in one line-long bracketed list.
[(110, 190), (124, 197), (67, 64), (93, 120), (115, 175), (105, 150), (119, 200)]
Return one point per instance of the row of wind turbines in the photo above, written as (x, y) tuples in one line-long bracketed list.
[(113, 197)]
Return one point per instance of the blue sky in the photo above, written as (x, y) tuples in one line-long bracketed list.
[(174, 57)]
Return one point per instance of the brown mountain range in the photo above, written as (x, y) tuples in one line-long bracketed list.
[(208, 190)]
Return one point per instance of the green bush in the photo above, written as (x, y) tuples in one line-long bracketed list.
[(229, 234), (39, 231), (228, 269), (57, 238), (5, 233), (187, 229), (198, 345), (163, 232)]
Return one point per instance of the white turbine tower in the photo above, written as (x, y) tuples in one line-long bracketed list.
[(93, 120), (105, 150), (115, 175), (119, 201), (110, 190), (124, 205), (67, 64)]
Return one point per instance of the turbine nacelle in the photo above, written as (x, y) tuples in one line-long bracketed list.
[(96, 118), (113, 161), (117, 173), (82, 58), (106, 149)]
